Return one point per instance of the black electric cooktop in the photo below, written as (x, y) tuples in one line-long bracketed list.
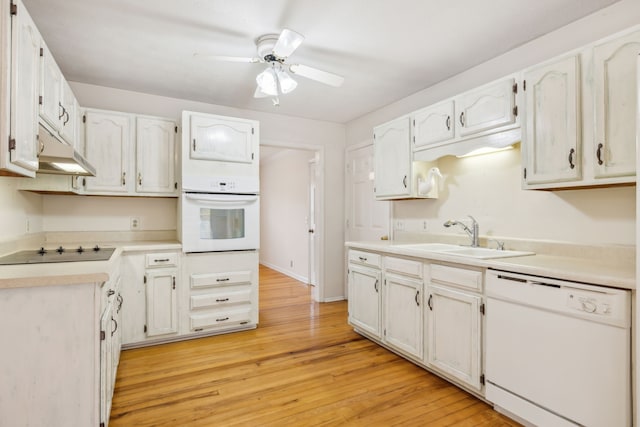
[(57, 255)]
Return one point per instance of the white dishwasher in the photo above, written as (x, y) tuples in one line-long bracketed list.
[(558, 353)]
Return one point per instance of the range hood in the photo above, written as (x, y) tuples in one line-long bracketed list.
[(59, 158)]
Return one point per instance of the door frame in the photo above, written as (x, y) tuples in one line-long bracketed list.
[(319, 151)]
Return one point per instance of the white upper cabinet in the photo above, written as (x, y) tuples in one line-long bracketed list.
[(616, 96), (155, 155), (392, 159), (486, 108), (551, 131), (433, 124), (107, 144), (222, 139), (51, 79), (20, 55)]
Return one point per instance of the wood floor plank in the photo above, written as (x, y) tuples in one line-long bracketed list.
[(303, 366)]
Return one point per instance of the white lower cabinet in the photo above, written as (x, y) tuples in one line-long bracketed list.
[(403, 314), (454, 319), (161, 302), (365, 299), (222, 293)]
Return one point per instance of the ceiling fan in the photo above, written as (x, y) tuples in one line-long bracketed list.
[(274, 50)]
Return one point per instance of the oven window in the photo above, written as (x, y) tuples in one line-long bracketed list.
[(217, 224)]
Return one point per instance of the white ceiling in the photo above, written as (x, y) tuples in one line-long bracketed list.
[(386, 50)]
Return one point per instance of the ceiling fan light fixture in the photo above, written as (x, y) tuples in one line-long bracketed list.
[(268, 82), (287, 83)]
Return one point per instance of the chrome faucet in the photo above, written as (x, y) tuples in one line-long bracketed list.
[(472, 232)]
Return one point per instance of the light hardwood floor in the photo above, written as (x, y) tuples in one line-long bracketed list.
[(303, 366)]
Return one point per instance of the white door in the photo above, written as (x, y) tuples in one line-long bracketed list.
[(392, 158), (365, 299), (367, 218), (25, 84), (552, 126), (616, 84), (155, 156), (312, 229), (453, 320), (162, 307), (108, 139), (403, 314)]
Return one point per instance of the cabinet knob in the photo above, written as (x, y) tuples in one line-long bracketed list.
[(430, 302), (448, 122), (139, 178), (124, 178), (571, 153), (404, 181), (462, 119)]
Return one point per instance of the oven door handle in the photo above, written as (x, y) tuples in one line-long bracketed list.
[(218, 199)]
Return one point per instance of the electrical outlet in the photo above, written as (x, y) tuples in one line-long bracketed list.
[(135, 222)]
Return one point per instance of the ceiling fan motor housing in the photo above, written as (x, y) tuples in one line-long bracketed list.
[(265, 45)]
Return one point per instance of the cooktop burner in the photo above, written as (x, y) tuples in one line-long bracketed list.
[(58, 255)]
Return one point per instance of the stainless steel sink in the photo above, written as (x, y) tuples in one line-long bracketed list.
[(463, 251)]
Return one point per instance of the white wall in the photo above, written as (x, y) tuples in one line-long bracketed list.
[(284, 237), (488, 187), (273, 127), (16, 208)]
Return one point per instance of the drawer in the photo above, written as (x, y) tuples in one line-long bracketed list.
[(403, 266), (221, 299), (455, 276), (220, 319), (364, 258), (207, 280), (163, 259)]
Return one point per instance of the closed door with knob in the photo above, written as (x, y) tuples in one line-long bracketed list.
[(551, 137)]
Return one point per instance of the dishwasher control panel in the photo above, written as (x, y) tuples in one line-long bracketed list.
[(589, 302)]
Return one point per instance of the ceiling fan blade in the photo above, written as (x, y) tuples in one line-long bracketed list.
[(317, 75), (287, 42), (259, 94), (227, 58)]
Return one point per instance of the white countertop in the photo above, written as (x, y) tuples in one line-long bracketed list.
[(614, 274), (72, 273)]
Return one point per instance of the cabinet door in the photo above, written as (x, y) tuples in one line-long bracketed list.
[(106, 364), (155, 155), (222, 139), (364, 299), (486, 108), (70, 113), (51, 79), (403, 319), (552, 126), (453, 321), (392, 159), (25, 84), (432, 125), (162, 307), (616, 90), (107, 144)]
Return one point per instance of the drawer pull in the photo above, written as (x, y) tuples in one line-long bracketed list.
[(515, 279), (222, 299), (110, 292), (363, 259), (162, 260), (224, 319), (226, 279), (430, 303)]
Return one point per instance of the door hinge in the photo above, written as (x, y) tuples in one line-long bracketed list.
[(385, 332), (101, 424), (13, 9), (176, 129), (414, 122), (145, 329), (252, 156), (41, 51), (252, 131), (515, 110), (525, 173), (144, 280), (482, 309), (515, 88), (524, 85), (482, 380), (84, 118), (414, 139), (174, 282), (103, 336), (12, 144), (40, 100)]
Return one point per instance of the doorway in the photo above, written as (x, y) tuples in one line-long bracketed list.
[(291, 212)]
